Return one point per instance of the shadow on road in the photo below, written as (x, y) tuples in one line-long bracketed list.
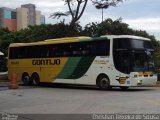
[(4, 85), (87, 87)]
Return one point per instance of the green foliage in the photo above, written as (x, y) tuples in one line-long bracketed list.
[(117, 27), (4, 46), (104, 4), (157, 57), (60, 30), (90, 30), (107, 27), (112, 27), (4, 31), (38, 33), (4, 39)]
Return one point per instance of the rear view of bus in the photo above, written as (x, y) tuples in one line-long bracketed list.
[(133, 61)]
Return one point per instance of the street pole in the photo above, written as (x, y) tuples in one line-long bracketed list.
[(102, 14)]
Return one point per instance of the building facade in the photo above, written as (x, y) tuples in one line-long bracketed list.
[(8, 18), (42, 19), (31, 13), (20, 18)]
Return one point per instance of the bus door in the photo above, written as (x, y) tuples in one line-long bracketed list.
[(122, 61)]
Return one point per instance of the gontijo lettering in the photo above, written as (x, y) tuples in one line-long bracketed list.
[(46, 62)]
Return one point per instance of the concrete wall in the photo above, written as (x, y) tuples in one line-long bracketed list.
[(42, 19), (11, 24), (38, 17), (8, 18), (22, 18)]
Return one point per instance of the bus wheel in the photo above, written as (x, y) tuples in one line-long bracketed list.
[(124, 88), (26, 79), (103, 82), (35, 79)]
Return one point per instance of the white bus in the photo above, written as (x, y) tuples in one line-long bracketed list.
[(106, 61), (130, 62)]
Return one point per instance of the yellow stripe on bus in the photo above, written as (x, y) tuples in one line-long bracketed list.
[(47, 68)]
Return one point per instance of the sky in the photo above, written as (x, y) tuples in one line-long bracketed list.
[(138, 14)]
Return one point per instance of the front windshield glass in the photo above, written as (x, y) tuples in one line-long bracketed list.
[(143, 61), (122, 61), (132, 55)]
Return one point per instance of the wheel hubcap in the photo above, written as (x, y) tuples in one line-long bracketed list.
[(104, 82), (26, 78), (34, 81)]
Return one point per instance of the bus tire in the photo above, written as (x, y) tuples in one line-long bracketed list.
[(26, 79), (35, 79), (103, 82), (124, 87)]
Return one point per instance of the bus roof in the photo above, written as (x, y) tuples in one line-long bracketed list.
[(67, 38), (75, 39), (125, 36), (53, 41)]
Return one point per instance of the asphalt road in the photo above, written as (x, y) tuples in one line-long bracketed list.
[(66, 99)]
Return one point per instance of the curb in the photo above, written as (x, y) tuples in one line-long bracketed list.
[(4, 84), (158, 82)]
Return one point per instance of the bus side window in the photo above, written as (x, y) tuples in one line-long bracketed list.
[(35, 52), (20, 52), (88, 49), (51, 51), (85, 52), (12, 53), (67, 50), (85, 49), (76, 49), (102, 48)]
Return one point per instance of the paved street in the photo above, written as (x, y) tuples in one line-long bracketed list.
[(66, 99)]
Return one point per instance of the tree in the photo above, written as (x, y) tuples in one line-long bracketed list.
[(75, 13), (107, 27), (104, 4), (78, 11), (61, 30), (4, 31)]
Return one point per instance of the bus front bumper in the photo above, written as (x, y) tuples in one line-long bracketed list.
[(140, 81)]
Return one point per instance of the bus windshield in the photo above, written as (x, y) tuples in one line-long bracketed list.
[(130, 55), (143, 61)]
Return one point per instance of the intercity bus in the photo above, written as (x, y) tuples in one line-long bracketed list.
[(108, 61)]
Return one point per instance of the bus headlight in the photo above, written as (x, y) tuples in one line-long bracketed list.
[(135, 76), (139, 82)]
